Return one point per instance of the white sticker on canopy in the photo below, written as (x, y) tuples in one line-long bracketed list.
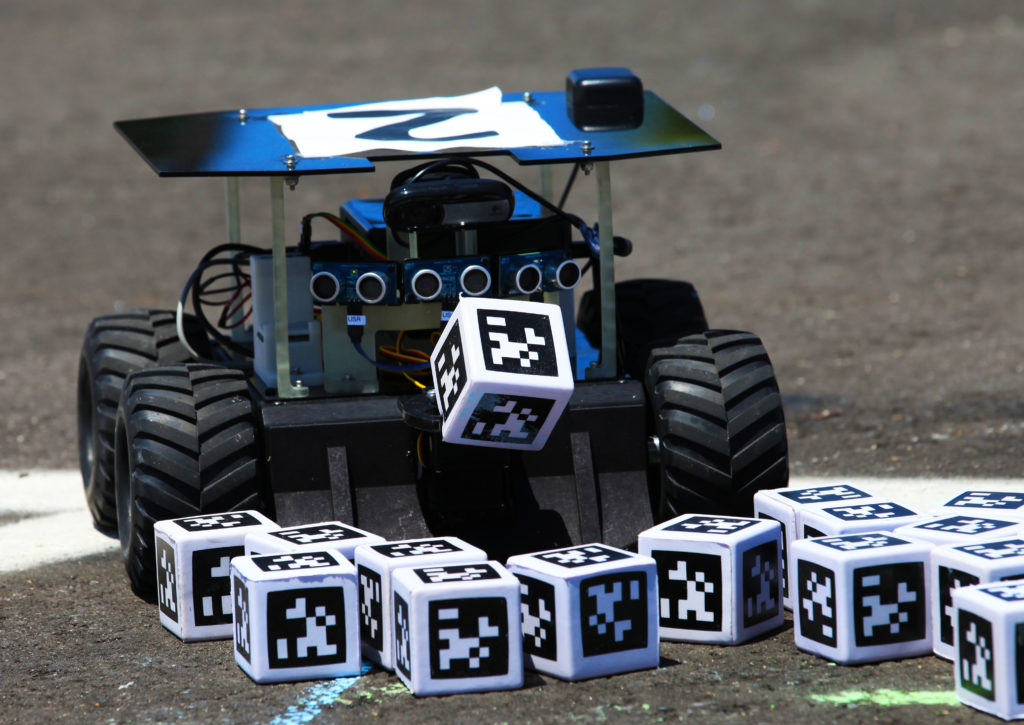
[(420, 125)]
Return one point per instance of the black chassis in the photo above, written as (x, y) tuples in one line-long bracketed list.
[(340, 458)]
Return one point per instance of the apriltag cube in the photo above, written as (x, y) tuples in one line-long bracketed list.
[(295, 616), (193, 557), (457, 629), (588, 611), (501, 373), (861, 597), (719, 577), (989, 661)]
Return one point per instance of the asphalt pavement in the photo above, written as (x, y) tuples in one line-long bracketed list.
[(864, 218)]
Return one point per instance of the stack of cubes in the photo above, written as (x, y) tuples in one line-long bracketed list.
[(844, 509)]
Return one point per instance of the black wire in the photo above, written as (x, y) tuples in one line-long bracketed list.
[(194, 283), (568, 185)]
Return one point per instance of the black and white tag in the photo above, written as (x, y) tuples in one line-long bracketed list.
[(713, 525), (243, 627), (402, 549), (976, 672), (517, 342), (317, 534), (889, 604), (371, 608), (468, 637), (816, 594), (166, 579), (761, 593), (457, 573), (950, 579), (211, 584), (613, 612), (293, 562), (213, 522), (537, 608), (507, 419), (306, 627), (575, 556), (449, 369), (689, 590)]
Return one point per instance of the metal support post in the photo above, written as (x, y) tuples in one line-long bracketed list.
[(607, 366), (285, 389)]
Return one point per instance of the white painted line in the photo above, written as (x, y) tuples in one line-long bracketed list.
[(57, 526)]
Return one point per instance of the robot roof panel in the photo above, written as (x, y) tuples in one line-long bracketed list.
[(303, 140)]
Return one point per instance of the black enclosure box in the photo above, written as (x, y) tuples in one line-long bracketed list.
[(604, 99)]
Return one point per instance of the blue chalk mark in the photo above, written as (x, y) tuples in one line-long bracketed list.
[(318, 696)]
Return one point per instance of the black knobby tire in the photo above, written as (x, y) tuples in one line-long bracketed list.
[(649, 313), (719, 419), (186, 443), (115, 346)]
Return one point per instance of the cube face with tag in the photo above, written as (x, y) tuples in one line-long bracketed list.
[(501, 373), (457, 629), (719, 577), (959, 565), (960, 529), (295, 616), (861, 597), (332, 535), (587, 611), (193, 557), (1000, 504), (989, 655), (858, 517), (376, 565)]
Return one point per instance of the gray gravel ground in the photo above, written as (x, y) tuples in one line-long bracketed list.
[(864, 217)]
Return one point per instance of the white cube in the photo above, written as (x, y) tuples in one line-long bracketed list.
[(296, 616), (861, 597), (959, 529), (501, 373), (719, 577), (375, 567), (1001, 504), (781, 504), (193, 557), (857, 518), (588, 611), (332, 535), (959, 565), (989, 660), (457, 629)]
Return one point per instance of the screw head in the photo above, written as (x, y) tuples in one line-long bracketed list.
[(290, 161), (587, 148)]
